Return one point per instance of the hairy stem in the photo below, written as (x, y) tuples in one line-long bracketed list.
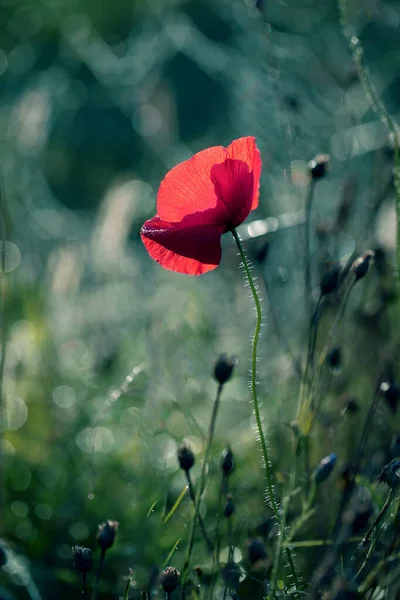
[(264, 446)]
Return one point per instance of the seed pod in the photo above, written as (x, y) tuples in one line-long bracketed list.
[(106, 534), (325, 468), (227, 461), (82, 558), (229, 508), (318, 166), (170, 579), (361, 265), (224, 368), (186, 458)]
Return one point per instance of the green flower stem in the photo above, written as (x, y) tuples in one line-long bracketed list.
[(264, 447), (202, 481), (99, 573)]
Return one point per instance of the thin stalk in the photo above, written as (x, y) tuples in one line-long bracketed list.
[(99, 572), (307, 270), (201, 522), (379, 517), (5, 235), (215, 566), (210, 437), (128, 585), (264, 447), (377, 105), (84, 586)]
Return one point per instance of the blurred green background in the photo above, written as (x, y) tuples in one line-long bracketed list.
[(98, 101)]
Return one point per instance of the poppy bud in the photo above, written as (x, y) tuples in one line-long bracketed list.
[(227, 461), (106, 534), (334, 358), (256, 551), (325, 468), (186, 458), (391, 393), (361, 265), (390, 473), (224, 368), (330, 281), (82, 558), (170, 579), (229, 507), (318, 166)]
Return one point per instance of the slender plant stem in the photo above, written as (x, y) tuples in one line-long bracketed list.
[(377, 105), (201, 522), (84, 586), (264, 447), (5, 231), (210, 437), (99, 572), (222, 495), (307, 254)]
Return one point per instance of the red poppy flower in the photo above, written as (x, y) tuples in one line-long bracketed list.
[(198, 201)]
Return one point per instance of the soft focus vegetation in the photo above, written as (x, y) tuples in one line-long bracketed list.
[(107, 360)]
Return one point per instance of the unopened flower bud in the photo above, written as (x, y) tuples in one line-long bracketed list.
[(361, 265), (229, 508), (390, 473), (227, 461), (256, 551), (330, 280), (325, 468), (318, 166), (82, 558), (224, 368), (186, 458), (334, 358), (106, 534), (170, 579)]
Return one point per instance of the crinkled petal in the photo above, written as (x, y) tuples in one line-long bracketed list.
[(245, 149), (193, 249), (187, 189)]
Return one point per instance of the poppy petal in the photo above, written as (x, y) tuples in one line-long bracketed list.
[(234, 187), (245, 149), (193, 249), (187, 189)]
